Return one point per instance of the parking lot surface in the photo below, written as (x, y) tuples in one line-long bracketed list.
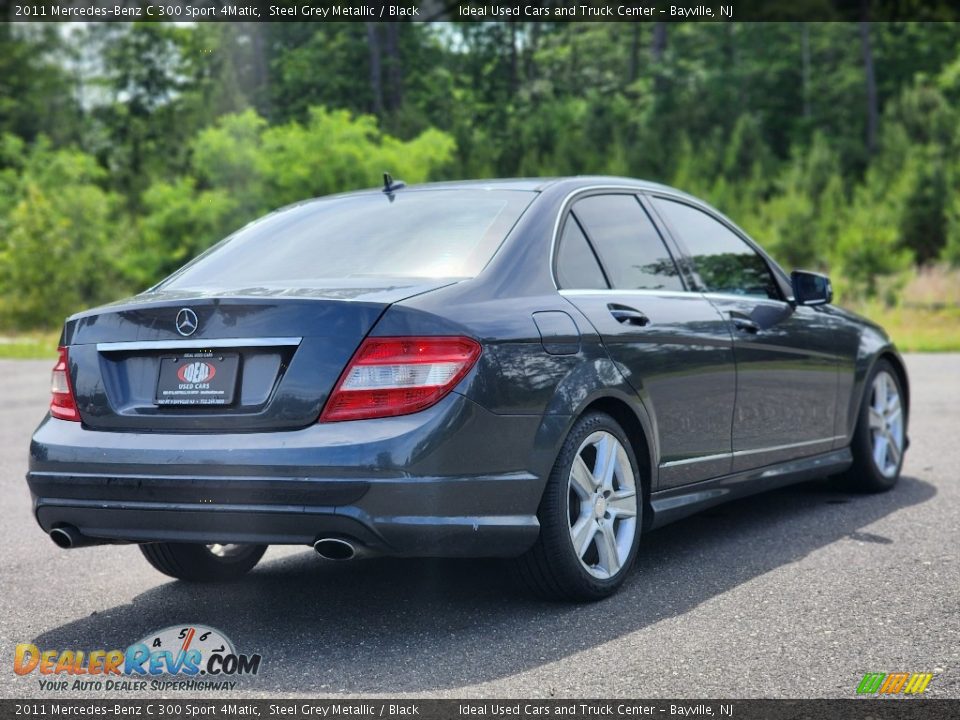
[(795, 593)]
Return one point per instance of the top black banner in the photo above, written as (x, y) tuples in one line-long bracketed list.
[(553, 11)]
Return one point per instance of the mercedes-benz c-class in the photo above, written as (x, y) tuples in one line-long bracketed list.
[(540, 370)]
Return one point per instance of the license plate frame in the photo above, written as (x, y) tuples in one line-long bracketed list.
[(197, 379)]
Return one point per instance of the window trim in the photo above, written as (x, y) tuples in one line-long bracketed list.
[(567, 212)]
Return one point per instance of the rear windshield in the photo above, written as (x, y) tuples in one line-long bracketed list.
[(419, 233)]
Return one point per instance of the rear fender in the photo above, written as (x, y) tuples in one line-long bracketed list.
[(597, 384)]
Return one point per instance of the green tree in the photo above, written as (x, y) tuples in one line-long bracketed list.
[(35, 88), (242, 168), (62, 242)]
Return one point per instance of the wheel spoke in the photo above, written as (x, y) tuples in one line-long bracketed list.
[(606, 462), (893, 401), (894, 448), (582, 533), (893, 417), (607, 549), (623, 503), (582, 480), (880, 394), (876, 421), (880, 452)]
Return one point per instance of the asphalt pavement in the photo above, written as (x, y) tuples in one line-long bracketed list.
[(794, 593)]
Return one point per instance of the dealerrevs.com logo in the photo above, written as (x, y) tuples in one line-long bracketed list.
[(180, 657)]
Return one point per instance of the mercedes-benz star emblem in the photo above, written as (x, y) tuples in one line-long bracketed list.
[(187, 322)]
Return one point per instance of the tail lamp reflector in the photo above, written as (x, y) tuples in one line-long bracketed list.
[(390, 376)]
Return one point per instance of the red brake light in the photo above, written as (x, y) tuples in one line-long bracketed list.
[(390, 376), (63, 404)]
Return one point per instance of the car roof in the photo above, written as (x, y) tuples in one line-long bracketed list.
[(572, 183)]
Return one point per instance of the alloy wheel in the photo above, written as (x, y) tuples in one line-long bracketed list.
[(602, 505), (886, 424)]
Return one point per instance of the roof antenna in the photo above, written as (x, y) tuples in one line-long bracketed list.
[(390, 185)]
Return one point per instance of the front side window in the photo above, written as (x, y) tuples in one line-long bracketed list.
[(416, 234), (722, 259), (630, 248)]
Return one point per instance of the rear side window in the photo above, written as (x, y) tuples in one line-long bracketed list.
[(416, 233), (577, 266), (630, 248), (722, 259)]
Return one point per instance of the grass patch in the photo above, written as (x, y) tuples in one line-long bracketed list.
[(30, 346), (916, 329)]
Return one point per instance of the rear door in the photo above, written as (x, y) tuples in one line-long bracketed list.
[(672, 346), (787, 357)]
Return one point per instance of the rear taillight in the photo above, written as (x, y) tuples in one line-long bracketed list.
[(63, 404), (391, 376)]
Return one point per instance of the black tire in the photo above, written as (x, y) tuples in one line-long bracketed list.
[(552, 568), (865, 475), (198, 563)]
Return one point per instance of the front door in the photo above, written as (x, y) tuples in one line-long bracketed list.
[(787, 357)]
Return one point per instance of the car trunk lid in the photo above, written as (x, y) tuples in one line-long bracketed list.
[(248, 360)]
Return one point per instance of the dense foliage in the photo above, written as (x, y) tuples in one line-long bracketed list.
[(126, 149)]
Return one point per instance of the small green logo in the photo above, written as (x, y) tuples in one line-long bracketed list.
[(894, 683)]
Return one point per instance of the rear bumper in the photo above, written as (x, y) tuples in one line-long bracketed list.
[(455, 480)]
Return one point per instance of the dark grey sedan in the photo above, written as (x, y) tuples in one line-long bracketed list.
[(535, 369)]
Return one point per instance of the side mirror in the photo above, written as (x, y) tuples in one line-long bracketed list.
[(810, 288)]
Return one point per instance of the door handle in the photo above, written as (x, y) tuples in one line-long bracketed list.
[(743, 323), (628, 315)]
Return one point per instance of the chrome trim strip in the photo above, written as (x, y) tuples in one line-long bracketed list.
[(690, 461), (741, 453), (746, 298), (641, 293), (195, 344), (775, 448)]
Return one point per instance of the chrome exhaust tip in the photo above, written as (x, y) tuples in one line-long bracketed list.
[(62, 538), (335, 549), (67, 536)]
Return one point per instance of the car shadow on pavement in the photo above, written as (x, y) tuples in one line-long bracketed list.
[(391, 626)]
